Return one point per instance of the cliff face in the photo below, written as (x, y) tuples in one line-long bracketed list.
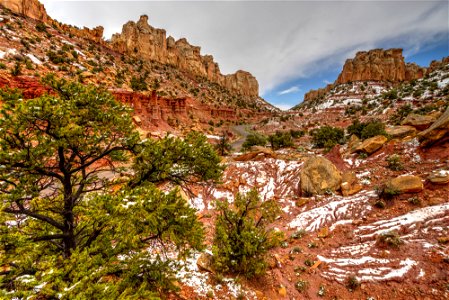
[(30, 8), (379, 65), (374, 65), (141, 39)]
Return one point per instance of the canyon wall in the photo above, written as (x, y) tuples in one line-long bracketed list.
[(144, 41), (30, 8)]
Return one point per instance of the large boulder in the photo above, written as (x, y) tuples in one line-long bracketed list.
[(371, 145), (438, 130), (350, 184), (420, 122), (406, 184), (319, 176), (400, 131)]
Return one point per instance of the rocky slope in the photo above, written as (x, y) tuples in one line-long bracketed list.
[(378, 65), (172, 88)]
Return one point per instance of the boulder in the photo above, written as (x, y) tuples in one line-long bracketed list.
[(353, 143), (439, 176), (350, 184), (372, 144), (420, 122), (319, 176), (205, 262), (400, 131), (438, 130), (406, 184)]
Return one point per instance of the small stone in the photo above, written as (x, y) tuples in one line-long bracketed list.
[(282, 291)]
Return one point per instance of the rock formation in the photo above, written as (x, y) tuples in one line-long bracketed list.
[(379, 65), (142, 40), (30, 8), (375, 65), (319, 176)]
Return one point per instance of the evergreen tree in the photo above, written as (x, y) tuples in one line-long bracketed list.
[(242, 238), (69, 231)]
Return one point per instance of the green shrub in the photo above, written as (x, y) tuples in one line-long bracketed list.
[(390, 238), (394, 162), (41, 27), (352, 283), (301, 285), (138, 84), (241, 238), (280, 140), (17, 69), (254, 139), (327, 137), (400, 114), (367, 129)]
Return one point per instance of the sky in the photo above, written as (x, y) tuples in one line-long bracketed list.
[(289, 46)]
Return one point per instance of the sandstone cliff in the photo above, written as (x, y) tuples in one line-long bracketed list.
[(30, 8), (379, 65), (142, 40), (374, 65)]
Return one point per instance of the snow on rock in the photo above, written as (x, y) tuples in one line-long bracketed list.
[(334, 209)]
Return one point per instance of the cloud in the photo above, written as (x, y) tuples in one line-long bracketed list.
[(283, 106), (277, 41), (293, 89), (327, 82)]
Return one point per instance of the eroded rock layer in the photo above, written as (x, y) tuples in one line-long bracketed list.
[(142, 40)]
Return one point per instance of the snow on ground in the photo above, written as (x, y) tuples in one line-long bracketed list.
[(413, 221), (334, 209), (273, 178), (34, 59), (364, 260), (201, 282)]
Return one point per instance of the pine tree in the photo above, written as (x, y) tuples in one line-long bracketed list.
[(68, 229)]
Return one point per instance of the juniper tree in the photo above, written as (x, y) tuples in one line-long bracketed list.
[(68, 229), (242, 237)]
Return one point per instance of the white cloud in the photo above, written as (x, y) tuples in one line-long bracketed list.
[(283, 106), (277, 41), (293, 89), (327, 81)]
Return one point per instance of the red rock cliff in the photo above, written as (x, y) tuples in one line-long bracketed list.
[(30, 8), (379, 65), (141, 39)]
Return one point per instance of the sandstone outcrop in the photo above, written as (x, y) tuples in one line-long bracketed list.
[(29, 8), (379, 65), (319, 176), (371, 145), (95, 34), (420, 122), (142, 40), (438, 130), (406, 184), (400, 131)]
